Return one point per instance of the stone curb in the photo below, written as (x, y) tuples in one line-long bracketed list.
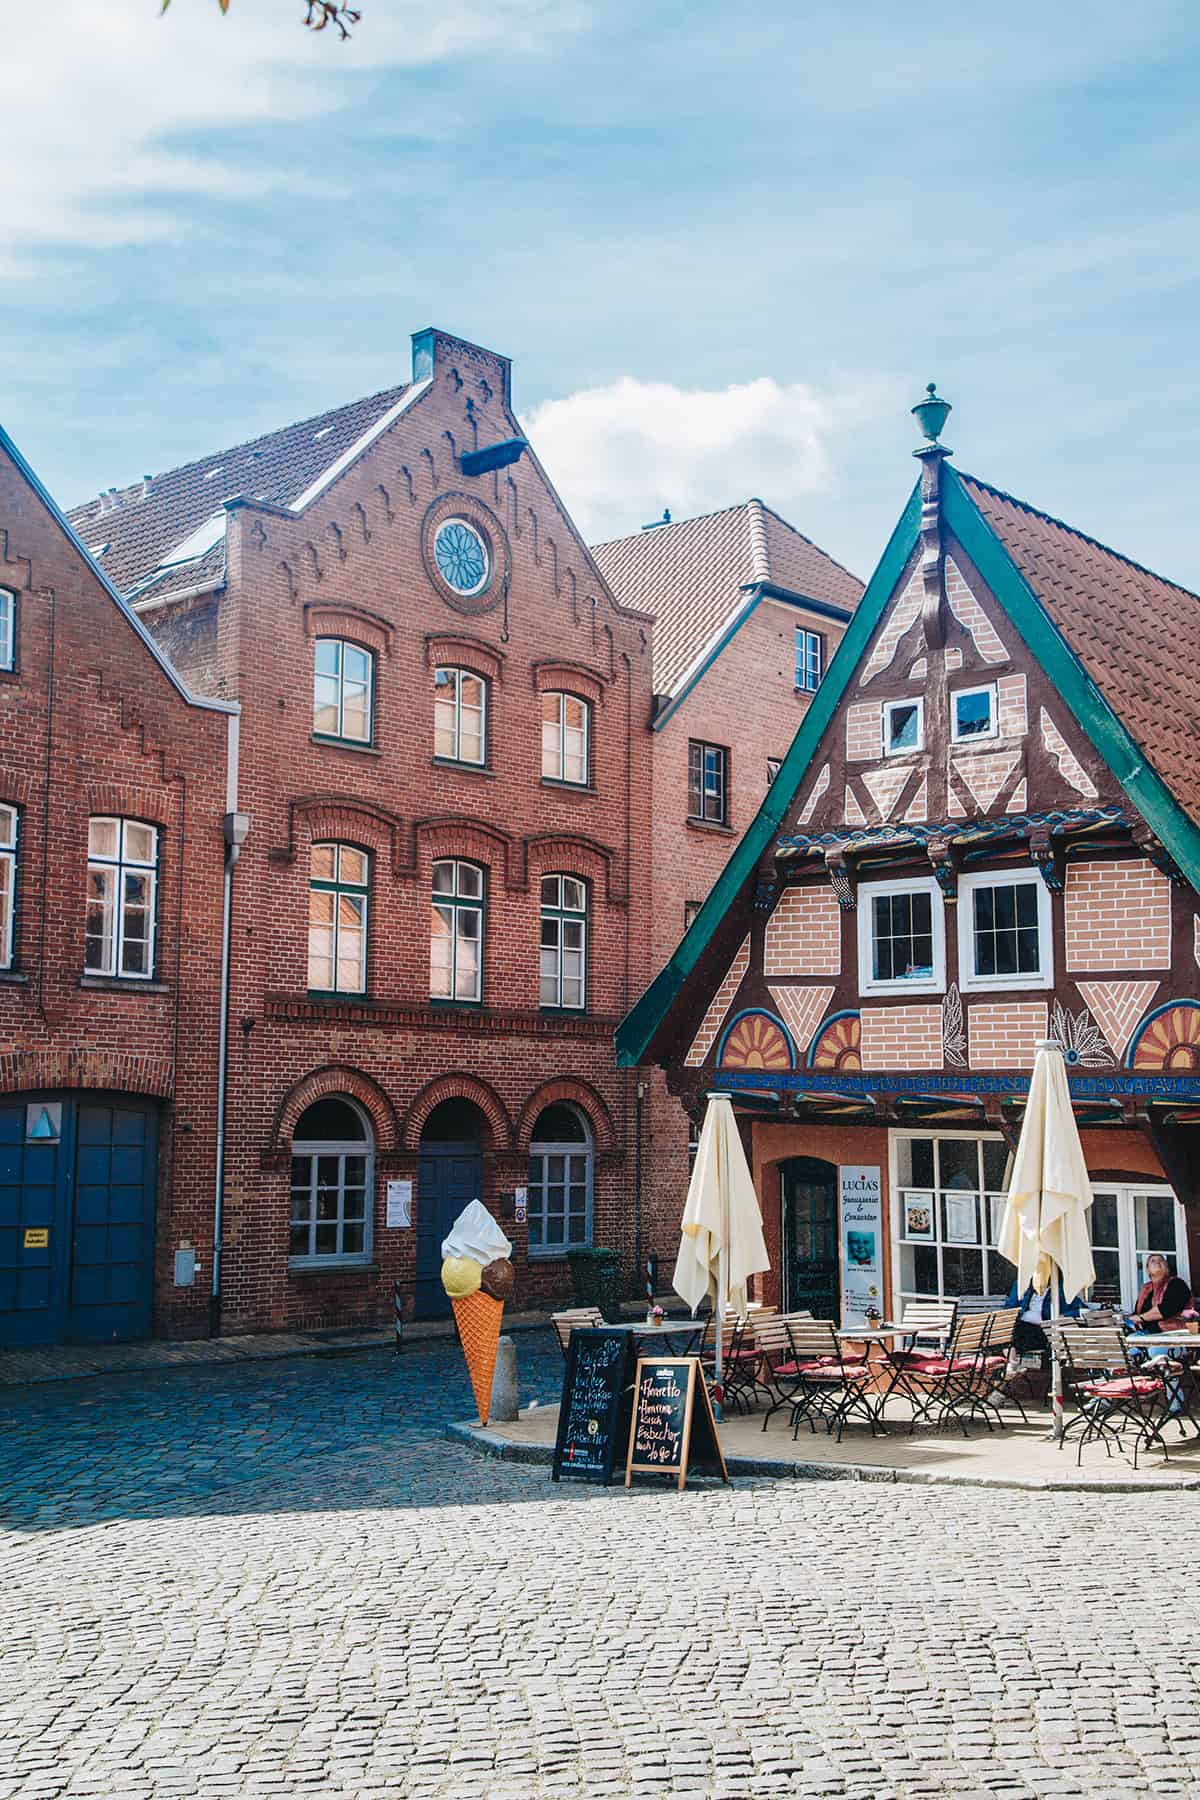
[(483, 1443)]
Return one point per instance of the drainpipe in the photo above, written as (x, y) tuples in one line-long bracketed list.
[(639, 1103), (235, 827)]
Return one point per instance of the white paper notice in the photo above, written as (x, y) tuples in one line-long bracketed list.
[(399, 1204)]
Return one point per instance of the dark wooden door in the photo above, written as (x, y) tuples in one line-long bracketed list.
[(810, 1237), (449, 1177)]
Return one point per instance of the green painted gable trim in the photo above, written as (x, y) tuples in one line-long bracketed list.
[(1171, 824), (640, 1024)]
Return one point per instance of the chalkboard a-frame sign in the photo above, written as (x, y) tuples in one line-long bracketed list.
[(673, 1425), (593, 1416)]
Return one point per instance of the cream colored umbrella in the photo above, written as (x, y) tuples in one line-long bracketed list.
[(721, 1243), (1045, 1226)]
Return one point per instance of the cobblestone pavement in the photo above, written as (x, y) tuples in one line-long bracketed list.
[(278, 1580)]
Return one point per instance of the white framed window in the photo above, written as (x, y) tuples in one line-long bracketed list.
[(8, 882), (338, 892), (948, 1197), (901, 937), (810, 659), (560, 1182), (1126, 1225), (708, 782), (456, 932), (343, 691), (974, 714), (119, 916), (1005, 938), (903, 726), (566, 727), (8, 629), (774, 764), (332, 1183), (459, 716), (563, 966)]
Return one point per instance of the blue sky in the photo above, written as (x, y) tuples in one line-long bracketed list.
[(725, 246)]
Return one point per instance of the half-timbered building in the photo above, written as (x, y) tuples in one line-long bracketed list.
[(985, 834)]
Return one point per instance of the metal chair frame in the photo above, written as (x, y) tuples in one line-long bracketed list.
[(1114, 1392), (830, 1385)]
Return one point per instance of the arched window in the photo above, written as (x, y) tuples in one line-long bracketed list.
[(343, 691), (337, 919), (456, 932), (563, 967), (332, 1184), (560, 1182)]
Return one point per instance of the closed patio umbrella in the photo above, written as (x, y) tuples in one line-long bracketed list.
[(721, 1242), (1045, 1226)]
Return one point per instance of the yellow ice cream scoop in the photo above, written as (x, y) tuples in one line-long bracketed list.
[(460, 1276)]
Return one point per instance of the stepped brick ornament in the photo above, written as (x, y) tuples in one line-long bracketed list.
[(1169, 1039), (756, 1040), (801, 1010), (839, 1046), (1116, 1007), (722, 1000)]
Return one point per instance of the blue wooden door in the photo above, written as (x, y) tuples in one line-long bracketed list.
[(77, 1192), (449, 1177)]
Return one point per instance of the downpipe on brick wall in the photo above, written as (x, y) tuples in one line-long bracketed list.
[(236, 827)]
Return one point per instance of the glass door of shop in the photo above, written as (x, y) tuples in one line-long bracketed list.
[(810, 1236), (1127, 1224)]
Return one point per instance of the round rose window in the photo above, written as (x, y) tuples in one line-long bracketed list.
[(461, 556)]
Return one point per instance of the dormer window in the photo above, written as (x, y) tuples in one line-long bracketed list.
[(903, 727)]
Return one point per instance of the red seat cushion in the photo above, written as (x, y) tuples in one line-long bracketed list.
[(825, 1370), (1120, 1387), (943, 1365)]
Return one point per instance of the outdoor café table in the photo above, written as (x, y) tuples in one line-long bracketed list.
[(882, 1374), (662, 1337)]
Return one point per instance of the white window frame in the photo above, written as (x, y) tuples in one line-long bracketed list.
[(562, 914), (456, 904), (810, 659), (722, 769), (774, 764), (341, 735), (8, 629), (537, 1186), (460, 674), (116, 867), (868, 892), (975, 737), (10, 825), (313, 1148), (1129, 1260), (559, 773), (968, 981), (990, 1200), (340, 886), (889, 707)]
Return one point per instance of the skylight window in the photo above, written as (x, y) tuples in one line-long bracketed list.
[(198, 544), (209, 474), (324, 432)]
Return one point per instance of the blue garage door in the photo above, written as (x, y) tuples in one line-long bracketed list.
[(77, 1188)]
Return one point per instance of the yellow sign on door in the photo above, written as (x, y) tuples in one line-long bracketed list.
[(37, 1238)]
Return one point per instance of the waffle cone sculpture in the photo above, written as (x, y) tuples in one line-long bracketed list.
[(478, 1318)]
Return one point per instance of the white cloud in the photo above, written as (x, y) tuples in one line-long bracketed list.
[(620, 454), (100, 95)]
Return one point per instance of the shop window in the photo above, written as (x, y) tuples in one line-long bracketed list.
[(901, 937), (948, 1198), (122, 870), (561, 1157), (332, 1184), (1004, 932), (1128, 1224)]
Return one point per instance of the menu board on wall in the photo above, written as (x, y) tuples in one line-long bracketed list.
[(860, 1209)]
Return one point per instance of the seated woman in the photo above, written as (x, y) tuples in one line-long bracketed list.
[(1028, 1334), (1162, 1300)]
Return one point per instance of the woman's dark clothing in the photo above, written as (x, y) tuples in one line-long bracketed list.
[(1176, 1298)]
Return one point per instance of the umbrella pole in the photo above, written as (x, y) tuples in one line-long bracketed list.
[(718, 1309), (1055, 1362)]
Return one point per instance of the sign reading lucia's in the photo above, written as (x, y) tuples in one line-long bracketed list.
[(861, 1201)]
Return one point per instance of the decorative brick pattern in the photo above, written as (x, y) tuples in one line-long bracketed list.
[(902, 617), (971, 615), (886, 785), (1116, 1007), (1012, 705), (1117, 916), (804, 933), (801, 1010), (864, 731), (985, 775), (820, 787), (1069, 765), (854, 812), (1004, 1035), (917, 810), (902, 1037), (704, 1039), (1020, 797)]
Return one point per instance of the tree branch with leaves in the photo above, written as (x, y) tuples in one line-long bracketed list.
[(318, 14)]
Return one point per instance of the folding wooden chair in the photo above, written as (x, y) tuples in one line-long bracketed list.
[(1114, 1393), (586, 1318), (830, 1385), (1000, 1344), (956, 1385)]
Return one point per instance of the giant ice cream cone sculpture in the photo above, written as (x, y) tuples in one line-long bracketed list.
[(477, 1275)]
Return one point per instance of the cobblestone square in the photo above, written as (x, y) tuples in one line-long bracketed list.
[(279, 1580)]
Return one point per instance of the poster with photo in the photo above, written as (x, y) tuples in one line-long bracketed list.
[(918, 1216), (860, 1195)]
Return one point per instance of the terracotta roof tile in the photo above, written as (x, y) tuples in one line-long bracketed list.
[(1134, 632), (692, 575), (143, 528)]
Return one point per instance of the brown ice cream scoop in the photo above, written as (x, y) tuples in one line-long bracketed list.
[(497, 1278)]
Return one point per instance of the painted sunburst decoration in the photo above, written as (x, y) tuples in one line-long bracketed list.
[(756, 1041), (838, 1045), (1169, 1040)]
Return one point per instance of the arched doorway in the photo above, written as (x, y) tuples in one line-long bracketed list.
[(332, 1185), (449, 1177), (809, 1197), (560, 1181)]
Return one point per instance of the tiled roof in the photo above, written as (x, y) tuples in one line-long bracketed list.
[(692, 575), (144, 528), (1135, 632)]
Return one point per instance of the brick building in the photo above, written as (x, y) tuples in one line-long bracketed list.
[(985, 833), (470, 831), (114, 785)]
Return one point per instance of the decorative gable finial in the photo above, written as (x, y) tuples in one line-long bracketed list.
[(931, 414)]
